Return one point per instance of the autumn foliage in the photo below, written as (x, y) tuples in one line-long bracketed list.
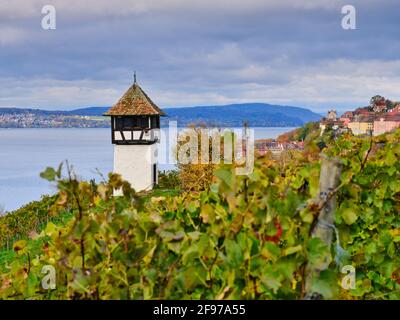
[(245, 237)]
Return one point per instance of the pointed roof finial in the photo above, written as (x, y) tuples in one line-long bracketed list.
[(134, 77)]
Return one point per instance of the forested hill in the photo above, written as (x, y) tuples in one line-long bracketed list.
[(256, 114)]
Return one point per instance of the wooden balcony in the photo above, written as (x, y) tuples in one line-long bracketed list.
[(135, 136)]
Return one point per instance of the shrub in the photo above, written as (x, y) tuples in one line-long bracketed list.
[(169, 180)]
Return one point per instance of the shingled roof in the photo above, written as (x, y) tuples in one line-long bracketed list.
[(135, 102)]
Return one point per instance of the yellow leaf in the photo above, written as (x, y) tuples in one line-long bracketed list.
[(50, 229), (291, 250), (207, 214), (149, 255), (97, 200), (395, 232), (19, 246), (294, 284)]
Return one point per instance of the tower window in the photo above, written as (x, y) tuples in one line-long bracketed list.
[(130, 123), (155, 122), (144, 122)]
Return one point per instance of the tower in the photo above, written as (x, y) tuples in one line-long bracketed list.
[(135, 133)]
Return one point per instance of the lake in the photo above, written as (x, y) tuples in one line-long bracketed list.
[(24, 153)]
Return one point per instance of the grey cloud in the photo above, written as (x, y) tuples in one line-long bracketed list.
[(198, 52)]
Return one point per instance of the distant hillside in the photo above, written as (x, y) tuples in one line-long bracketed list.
[(89, 111), (4, 111), (256, 114)]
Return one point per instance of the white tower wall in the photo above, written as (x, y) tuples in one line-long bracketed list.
[(135, 163)]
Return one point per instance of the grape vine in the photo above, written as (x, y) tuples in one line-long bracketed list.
[(247, 237)]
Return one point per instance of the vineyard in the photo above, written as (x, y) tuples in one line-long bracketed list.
[(243, 237)]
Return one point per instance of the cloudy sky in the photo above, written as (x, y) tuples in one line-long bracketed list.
[(199, 52)]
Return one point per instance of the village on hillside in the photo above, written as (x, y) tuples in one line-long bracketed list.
[(28, 119), (381, 116)]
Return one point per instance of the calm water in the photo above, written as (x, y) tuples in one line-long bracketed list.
[(24, 153)]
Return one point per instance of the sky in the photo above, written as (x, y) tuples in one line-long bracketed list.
[(192, 52)]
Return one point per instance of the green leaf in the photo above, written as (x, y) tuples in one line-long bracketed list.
[(214, 188), (298, 182), (233, 252), (192, 207), (291, 250), (349, 216), (271, 282), (370, 248), (254, 176), (59, 169), (224, 175), (49, 174), (32, 284), (190, 254), (271, 251)]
